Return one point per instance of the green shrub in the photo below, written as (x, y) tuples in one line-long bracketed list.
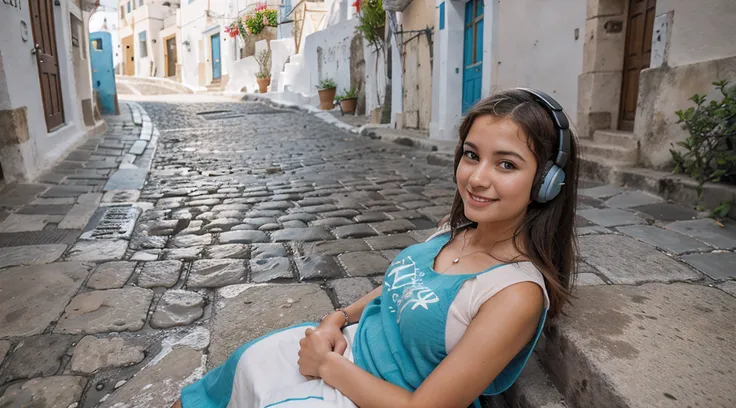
[(709, 153), (371, 21)]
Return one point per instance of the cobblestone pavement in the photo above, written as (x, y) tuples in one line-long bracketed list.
[(139, 86), (117, 291)]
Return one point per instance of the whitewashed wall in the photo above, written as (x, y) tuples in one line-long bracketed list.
[(334, 43), (19, 86), (538, 47), (530, 43), (703, 30), (447, 76)]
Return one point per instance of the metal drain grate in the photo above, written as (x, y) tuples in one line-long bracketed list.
[(213, 112), (112, 223), (45, 237)]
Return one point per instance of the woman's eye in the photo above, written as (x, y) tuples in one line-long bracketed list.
[(470, 155), (507, 165)]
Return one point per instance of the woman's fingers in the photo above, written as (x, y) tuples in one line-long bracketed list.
[(340, 345)]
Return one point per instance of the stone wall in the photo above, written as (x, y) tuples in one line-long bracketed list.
[(249, 42), (417, 66), (664, 90)]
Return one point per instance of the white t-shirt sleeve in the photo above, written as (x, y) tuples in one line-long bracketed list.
[(476, 291)]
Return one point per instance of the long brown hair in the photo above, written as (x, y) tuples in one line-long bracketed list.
[(547, 232)]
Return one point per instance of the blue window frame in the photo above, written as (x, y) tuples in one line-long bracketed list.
[(143, 44), (285, 8), (442, 15), (128, 7)]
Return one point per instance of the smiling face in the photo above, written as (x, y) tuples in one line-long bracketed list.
[(496, 172)]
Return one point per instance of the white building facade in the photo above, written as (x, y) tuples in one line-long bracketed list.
[(149, 43), (40, 124), (481, 47)]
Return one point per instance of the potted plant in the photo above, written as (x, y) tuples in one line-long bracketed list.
[(263, 76), (327, 89), (348, 100)]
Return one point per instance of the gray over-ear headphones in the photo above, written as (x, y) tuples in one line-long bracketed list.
[(553, 176)]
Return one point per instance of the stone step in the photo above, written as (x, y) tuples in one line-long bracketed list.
[(616, 138), (602, 170), (653, 345), (534, 388), (592, 150)]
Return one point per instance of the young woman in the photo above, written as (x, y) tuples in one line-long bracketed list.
[(458, 315)]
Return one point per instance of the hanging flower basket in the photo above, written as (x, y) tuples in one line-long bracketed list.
[(253, 23), (395, 5)]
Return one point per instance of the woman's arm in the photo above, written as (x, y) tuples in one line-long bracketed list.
[(354, 311), (503, 326)]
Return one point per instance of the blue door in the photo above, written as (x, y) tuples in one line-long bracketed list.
[(216, 56), (103, 74), (473, 53)]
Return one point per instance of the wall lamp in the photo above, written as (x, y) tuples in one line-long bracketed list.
[(187, 44)]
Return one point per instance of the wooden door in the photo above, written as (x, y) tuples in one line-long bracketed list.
[(171, 57), (638, 52), (44, 37), (216, 66), (128, 56), (473, 53)]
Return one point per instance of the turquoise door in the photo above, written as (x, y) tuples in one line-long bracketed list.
[(216, 72), (103, 74), (473, 54)]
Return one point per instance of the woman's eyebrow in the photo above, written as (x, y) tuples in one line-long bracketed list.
[(509, 153), (498, 152)]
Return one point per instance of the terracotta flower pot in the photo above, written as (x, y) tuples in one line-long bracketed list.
[(327, 98), (348, 105), (263, 84)]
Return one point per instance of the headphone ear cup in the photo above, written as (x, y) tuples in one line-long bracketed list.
[(552, 182), (540, 188)]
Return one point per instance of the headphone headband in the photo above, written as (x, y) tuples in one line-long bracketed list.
[(557, 114)]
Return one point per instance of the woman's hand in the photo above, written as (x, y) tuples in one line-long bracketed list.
[(331, 329), (314, 347)]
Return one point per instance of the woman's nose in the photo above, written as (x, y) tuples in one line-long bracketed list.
[(481, 177)]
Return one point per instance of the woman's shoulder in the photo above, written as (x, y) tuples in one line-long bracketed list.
[(508, 275), (441, 230)]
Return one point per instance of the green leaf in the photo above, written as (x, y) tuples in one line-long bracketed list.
[(722, 210)]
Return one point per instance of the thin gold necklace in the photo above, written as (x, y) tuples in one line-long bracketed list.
[(456, 260)]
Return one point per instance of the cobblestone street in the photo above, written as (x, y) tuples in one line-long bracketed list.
[(151, 253)]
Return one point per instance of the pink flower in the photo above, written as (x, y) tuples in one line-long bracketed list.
[(265, 20)]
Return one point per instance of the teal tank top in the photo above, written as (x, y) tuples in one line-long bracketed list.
[(401, 334)]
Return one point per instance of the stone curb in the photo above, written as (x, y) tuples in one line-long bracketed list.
[(678, 188)]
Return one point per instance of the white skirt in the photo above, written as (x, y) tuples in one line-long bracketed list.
[(267, 375)]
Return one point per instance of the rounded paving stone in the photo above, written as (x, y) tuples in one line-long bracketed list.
[(215, 273), (54, 392), (178, 308), (106, 311), (268, 269), (243, 237), (159, 273), (226, 251), (92, 354), (111, 275)]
